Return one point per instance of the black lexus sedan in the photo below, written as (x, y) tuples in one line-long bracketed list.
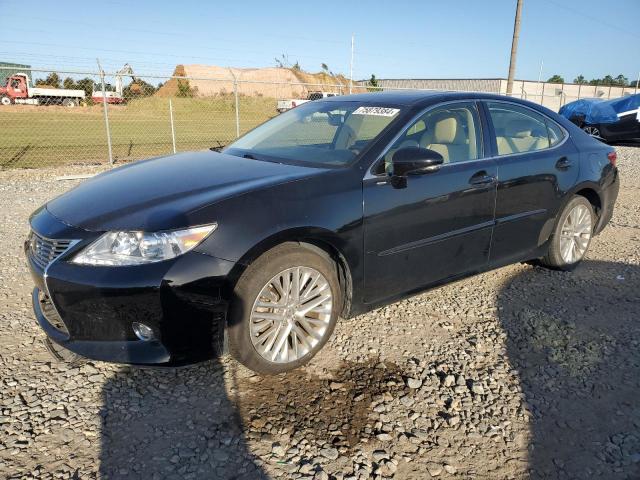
[(329, 210)]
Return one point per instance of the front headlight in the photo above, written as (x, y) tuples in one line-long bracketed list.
[(136, 248)]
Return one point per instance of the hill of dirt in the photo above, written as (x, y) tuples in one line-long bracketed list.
[(211, 80)]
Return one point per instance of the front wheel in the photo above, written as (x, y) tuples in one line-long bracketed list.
[(5, 100), (284, 309), (572, 235)]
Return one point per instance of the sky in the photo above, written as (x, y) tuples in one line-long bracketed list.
[(400, 39)]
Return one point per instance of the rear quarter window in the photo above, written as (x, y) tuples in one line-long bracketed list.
[(556, 135)]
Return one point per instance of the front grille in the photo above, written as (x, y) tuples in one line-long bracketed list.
[(45, 250), (51, 314)]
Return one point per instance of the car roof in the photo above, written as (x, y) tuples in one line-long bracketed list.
[(417, 97)]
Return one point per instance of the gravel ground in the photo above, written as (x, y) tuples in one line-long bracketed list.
[(516, 373)]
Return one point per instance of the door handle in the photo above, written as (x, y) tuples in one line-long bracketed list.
[(563, 164), (482, 178)]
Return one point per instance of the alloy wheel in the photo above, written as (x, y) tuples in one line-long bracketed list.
[(575, 234), (593, 131), (291, 314)]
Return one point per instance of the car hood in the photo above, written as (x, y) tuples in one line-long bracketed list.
[(161, 193)]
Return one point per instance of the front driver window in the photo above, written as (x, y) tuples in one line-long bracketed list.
[(453, 131)]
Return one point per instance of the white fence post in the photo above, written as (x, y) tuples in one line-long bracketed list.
[(235, 93), (106, 114), (173, 131)]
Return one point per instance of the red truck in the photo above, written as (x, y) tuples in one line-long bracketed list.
[(19, 90)]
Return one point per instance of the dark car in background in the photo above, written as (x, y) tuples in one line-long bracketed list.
[(615, 120), (329, 210)]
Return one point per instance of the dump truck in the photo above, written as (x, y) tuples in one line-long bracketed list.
[(18, 90)]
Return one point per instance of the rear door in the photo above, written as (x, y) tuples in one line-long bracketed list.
[(537, 164)]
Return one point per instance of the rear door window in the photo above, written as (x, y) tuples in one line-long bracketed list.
[(518, 129)]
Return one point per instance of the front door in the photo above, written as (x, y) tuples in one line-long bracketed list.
[(439, 225)]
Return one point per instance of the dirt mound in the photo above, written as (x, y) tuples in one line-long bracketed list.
[(170, 87), (211, 80)]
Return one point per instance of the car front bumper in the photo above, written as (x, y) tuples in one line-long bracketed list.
[(90, 309)]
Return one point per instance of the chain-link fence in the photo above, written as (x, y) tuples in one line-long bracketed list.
[(94, 118)]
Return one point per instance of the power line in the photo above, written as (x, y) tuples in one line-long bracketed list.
[(597, 20)]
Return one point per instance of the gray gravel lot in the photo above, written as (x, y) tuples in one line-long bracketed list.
[(516, 373)]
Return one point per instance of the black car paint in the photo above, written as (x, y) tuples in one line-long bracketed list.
[(388, 242), (627, 128)]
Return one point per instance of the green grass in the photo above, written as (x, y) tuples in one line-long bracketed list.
[(33, 137)]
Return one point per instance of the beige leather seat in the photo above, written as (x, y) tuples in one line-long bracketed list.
[(518, 137), (446, 136)]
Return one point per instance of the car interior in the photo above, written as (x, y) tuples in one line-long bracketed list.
[(517, 132), (451, 132)]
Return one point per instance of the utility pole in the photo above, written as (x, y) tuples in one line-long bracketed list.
[(514, 48), (351, 66)]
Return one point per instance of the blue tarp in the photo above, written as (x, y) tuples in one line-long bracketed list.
[(596, 111)]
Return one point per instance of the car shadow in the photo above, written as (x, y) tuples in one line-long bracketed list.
[(176, 423), (574, 340), (173, 423)]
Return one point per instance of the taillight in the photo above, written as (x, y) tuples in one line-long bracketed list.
[(613, 157)]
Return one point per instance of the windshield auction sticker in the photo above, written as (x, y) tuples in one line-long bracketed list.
[(377, 111)]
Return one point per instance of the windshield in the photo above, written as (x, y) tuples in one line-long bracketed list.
[(319, 132)]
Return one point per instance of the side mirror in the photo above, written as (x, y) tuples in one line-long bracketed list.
[(415, 161)]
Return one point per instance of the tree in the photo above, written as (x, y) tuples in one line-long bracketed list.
[(184, 89), (52, 80), (608, 80), (580, 80), (139, 88), (372, 84), (556, 79), (296, 66), (87, 85), (325, 67), (621, 80), (69, 83), (283, 61)]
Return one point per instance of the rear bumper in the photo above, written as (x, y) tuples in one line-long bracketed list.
[(609, 195)]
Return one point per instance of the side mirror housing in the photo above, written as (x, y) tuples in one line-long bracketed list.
[(415, 161)]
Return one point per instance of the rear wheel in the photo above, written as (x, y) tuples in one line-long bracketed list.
[(69, 102), (592, 130), (284, 309), (572, 235)]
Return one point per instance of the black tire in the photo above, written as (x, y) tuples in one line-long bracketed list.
[(249, 286), (554, 259), (69, 102), (5, 100)]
